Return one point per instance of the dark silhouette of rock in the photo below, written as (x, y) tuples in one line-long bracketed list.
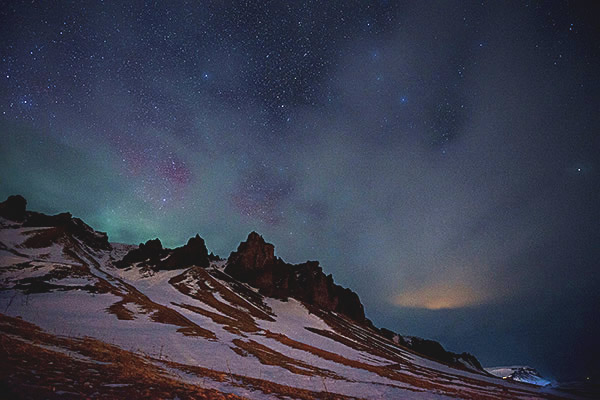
[(43, 220), (13, 208), (73, 226), (432, 349), (193, 253), (149, 253), (153, 255), (94, 239), (255, 263)]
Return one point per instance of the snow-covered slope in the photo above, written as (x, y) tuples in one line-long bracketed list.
[(73, 324), (519, 374)]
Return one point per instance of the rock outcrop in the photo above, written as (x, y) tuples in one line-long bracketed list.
[(149, 253), (434, 350), (14, 209), (255, 263), (152, 254), (193, 253)]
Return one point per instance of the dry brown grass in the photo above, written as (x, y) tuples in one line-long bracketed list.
[(157, 312), (45, 237), (30, 371), (240, 314), (268, 356), (358, 337), (478, 389), (120, 311), (235, 326), (81, 368), (366, 340), (128, 293), (265, 386), (48, 282)]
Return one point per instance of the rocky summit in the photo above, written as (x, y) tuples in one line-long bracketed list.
[(255, 263)]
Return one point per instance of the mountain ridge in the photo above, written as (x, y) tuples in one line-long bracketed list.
[(252, 307), (255, 263)]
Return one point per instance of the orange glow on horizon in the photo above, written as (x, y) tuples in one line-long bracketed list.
[(440, 296)]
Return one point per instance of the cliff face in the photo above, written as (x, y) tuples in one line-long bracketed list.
[(255, 263)]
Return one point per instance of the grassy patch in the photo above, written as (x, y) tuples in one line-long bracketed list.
[(35, 364), (239, 314), (269, 356)]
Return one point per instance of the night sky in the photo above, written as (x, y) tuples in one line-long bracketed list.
[(439, 158)]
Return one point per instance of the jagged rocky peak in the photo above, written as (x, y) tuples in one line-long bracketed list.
[(193, 253), (252, 255), (255, 263), (14, 208), (152, 254), (151, 247)]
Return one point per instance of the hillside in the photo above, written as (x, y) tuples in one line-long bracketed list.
[(83, 317)]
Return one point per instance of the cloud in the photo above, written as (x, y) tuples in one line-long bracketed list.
[(442, 296)]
